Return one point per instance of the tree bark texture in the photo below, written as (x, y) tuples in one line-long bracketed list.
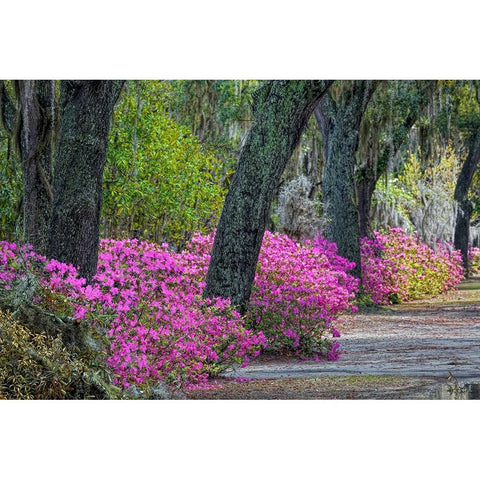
[(281, 111), (365, 189), (339, 122), (465, 207), (85, 113), (35, 143)]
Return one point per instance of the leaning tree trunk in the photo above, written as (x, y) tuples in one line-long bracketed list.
[(35, 143), (465, 207), (281, 111), (339, 122), (85, 112)]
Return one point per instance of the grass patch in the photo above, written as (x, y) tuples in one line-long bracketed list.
[(319, 388)]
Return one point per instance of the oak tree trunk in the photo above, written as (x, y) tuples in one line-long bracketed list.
[(339, 122), (281, 111), (35, 142), (85, 112), (365, 188)]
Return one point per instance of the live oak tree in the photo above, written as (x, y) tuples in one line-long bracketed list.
[(35, 142), (85, 113), (281, 111), (339, 121)]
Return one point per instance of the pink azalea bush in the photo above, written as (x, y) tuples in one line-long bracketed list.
[(145, 299), (397, 267), (147, 302), (474, 258), (298, 293)]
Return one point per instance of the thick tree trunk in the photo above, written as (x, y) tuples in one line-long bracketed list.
[(281, 110), (35, 142), (85, 112), (465, 207), (339, 122)]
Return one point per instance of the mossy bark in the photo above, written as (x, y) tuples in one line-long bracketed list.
[(85, 113), (465, 206), (339, 121), (35, 144), (281, 111)]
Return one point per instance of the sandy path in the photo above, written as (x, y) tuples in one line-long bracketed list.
[(423, 339)]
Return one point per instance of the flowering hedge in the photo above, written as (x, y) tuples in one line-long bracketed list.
[(397, 267), (474, 257), (147, 302), (298, 292)]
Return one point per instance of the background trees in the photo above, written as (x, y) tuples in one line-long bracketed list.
[(161, 182), (173, 147)]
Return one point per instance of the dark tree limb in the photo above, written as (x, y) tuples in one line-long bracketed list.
[(8, 111), (34, 140)]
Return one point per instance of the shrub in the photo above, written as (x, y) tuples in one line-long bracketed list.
[(474, 256), (147, 303), (299, 291), (397, 267), (298, 294)]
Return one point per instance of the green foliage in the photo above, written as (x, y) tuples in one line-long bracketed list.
[(160, 184), (217, 111), (10, 190)]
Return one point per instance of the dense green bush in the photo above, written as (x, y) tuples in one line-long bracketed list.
[(10, 190), (160, 184)]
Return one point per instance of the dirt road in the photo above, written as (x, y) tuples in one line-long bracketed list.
[(406, 351)]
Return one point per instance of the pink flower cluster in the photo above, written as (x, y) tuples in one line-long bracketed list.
[(397, 267), (298, 292), (148, 303), (14, 259)]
